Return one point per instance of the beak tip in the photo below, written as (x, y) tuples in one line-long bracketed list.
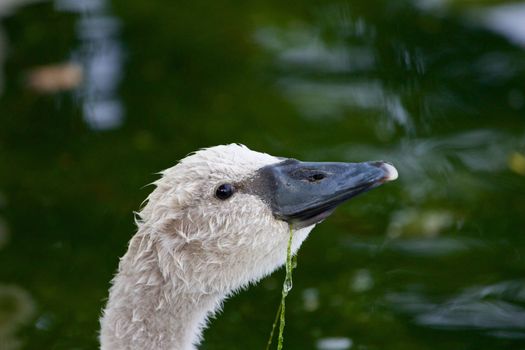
[(390, 172)]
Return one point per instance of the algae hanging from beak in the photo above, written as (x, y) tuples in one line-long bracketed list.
[(291, 263)]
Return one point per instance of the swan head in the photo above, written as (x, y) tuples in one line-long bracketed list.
[(221, 217)]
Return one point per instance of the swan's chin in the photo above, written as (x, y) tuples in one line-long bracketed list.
[(313, 220)]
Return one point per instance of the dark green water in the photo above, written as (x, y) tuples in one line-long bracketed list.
[(435, 260)]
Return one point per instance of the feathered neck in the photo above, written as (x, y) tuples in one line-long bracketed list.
[(150, 306)]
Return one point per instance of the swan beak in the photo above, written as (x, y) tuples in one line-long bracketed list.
[(305, 193)]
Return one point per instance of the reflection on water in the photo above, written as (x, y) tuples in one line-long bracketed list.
[(55, 78), (507, 20), (435, 247), (97, 63), (17, 308), (420, 223), (496, 309), (460, 158), (302, 48), (301, 52), (310, 299), (362, 281), (517, 163), (100, 55), (334, 344)]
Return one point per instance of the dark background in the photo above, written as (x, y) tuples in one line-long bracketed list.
[(434, 260)]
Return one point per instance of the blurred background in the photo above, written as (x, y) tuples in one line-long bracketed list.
[(98, 95)]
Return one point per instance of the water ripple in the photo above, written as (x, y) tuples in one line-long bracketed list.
[(493, 308)]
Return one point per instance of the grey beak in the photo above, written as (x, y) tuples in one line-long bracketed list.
[(305, 193)]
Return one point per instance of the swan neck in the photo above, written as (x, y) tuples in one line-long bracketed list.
[(148, 310)]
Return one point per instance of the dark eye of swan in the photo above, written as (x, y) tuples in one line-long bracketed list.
[(224, 191)]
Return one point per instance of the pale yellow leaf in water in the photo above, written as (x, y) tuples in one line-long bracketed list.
[(517, 163)]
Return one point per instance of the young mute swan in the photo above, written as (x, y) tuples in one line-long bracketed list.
[(216, 222)]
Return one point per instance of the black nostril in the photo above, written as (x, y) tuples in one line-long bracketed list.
[(310, 175), (316, 177)]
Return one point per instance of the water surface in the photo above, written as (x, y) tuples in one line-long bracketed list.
[(435, 260)]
